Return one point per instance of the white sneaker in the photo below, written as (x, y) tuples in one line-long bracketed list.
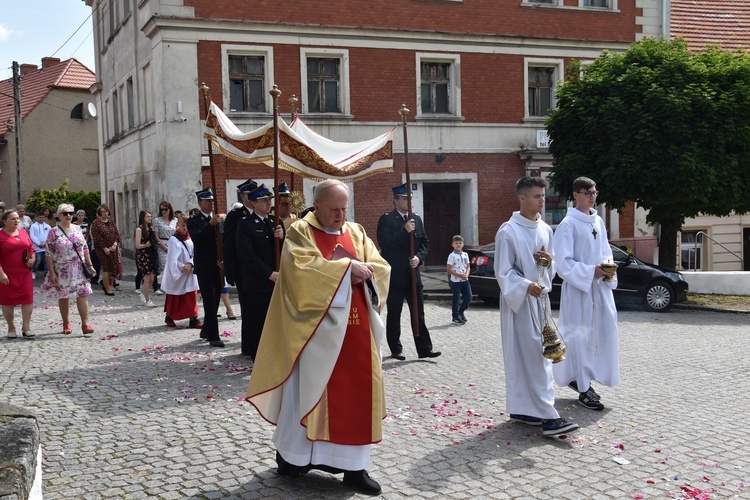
[(158, 292), (143, 298), (138, 291), (150, 303)]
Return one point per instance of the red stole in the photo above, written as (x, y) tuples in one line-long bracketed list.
[(349, 393)]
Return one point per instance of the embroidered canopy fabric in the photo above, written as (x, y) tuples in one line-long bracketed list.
[(301, 150)]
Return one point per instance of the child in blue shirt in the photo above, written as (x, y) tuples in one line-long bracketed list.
[(458, 267)]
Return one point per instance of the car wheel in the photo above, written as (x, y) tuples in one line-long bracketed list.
[(659, 297)]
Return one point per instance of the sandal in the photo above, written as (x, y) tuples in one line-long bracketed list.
[(12, 334), (27, 335), (87, 330), (67, 330)]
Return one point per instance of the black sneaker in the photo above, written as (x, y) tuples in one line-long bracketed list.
[(556, 426), (590, 400), (458, 321), (525, 419), (463, 318), (574, 385)]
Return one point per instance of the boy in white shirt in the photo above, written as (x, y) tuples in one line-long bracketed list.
[(458, 267)]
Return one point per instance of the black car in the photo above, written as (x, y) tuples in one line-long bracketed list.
[(656, 287)]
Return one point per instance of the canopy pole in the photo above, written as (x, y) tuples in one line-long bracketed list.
[(275, 93), (293, 105), (404, 112), (217, 228)]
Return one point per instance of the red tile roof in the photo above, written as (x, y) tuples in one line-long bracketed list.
[(36, 85), (711, 22)]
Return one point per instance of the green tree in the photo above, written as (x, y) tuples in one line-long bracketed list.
[(659, 125)]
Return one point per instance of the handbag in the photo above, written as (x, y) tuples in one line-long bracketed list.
[(86, 271)]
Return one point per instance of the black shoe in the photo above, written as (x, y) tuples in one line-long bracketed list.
[(463, 318), (361, 481), (573, 385), (287, 469), (216, 343), (430, 354), (398, 355)]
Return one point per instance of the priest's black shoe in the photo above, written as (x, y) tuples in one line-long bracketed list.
[(287, 469), (430, 354), (362, 482), (216, 343), (398, 355)]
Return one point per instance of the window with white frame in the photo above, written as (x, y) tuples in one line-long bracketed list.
[(438, 85), (603, 4), (325, 81), (247, 78), (546, 2), (541, 83)]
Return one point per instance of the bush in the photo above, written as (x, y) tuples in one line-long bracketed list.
[(81, 200)]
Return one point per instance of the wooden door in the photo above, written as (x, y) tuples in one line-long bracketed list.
[(442, 219)]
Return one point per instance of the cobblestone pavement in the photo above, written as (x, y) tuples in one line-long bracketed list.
[(139, 410)]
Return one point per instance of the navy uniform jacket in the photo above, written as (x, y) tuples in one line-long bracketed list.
[(394, 246), (204, 240), (232, 265), (255, 250)]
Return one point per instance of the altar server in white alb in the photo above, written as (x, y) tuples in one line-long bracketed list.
[(178, 280), (524, 285), (588, 318)]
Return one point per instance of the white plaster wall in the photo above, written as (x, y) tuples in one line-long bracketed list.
[(720, 282)]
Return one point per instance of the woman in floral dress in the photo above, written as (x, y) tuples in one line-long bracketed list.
[(165, 224), (107, 241), (145, 254), (66, 253)]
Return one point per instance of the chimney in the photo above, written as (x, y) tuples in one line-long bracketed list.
[(28, 68), (49, 62)]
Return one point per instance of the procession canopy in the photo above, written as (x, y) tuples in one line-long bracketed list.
[(301, 150)]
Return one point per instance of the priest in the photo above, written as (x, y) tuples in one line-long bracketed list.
[(588, 318), (524, 306), (318, 374)]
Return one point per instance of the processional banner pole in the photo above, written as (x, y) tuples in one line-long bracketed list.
[(217, 228), (275, 93), (404, 112)]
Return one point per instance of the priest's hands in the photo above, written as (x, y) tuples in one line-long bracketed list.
[(361, 272)]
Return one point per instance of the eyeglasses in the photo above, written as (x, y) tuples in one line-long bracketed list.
[(589, 194), (67, 213), (164, 209)]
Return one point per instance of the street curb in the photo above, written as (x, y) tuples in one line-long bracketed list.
[(709, 308)]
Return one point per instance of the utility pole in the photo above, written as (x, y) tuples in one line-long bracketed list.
[(17, 129)]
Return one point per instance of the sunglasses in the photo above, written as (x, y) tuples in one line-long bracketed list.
[(164, 209), (67, 213)]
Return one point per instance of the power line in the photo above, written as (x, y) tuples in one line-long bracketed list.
[(74, 33)]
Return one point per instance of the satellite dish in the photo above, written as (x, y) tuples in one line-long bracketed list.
[(92, 110)]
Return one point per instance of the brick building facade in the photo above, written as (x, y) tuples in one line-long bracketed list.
[(477, 76)]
